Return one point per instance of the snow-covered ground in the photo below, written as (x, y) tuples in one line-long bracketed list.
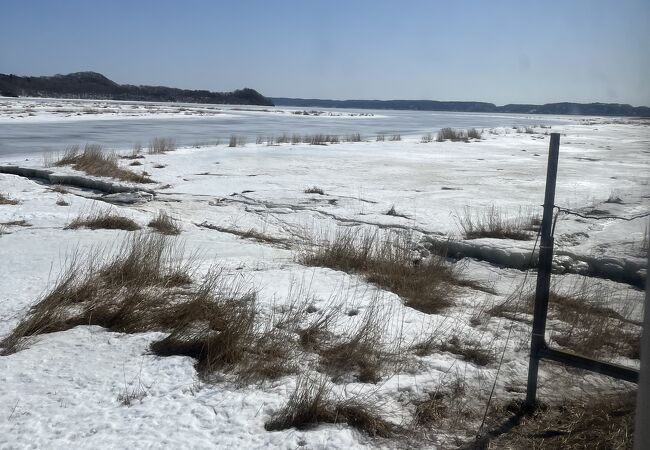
[(63, 390)]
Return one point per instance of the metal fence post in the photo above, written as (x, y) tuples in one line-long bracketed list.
[(641, 429), (537, 342)]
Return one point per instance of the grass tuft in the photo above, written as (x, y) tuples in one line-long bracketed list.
[(236, 141), (360, 353), (312, 403), (474, 353), (94, 161), (449, 134), (314, 190), (591, 422), (393, 212), (250, 234), (165, 224), (159, 146), (58, 188), (4, 200), (127, 291), (217, 328), (579, 322), (449, 405), (16, 223), (103, 219), (388, 262), (493, 223), (322, 139), (473, 133)]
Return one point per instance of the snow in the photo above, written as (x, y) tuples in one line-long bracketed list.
[(63, 390), (38, 110)]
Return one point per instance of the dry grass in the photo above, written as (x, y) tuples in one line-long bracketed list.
[(426, 138), (314, 190), (217, 328), (136, 153), (614, 198), (129, 291), (130, 396), (604, 422), (165, 224), (312, 139), (473, 133), (213, 328), (146, 286), (525, 130), (16, 223), (251, 234), (448, 407), (321, 139), (594, 330), (388, 261), (93, 161), (579, 322), (473, 352), (161, 145), (493, 223), (58, 188), (357, 352), (312, 403), (393, 212), (449, 134), (4, 200), (360, 353), (236, 141), (105, 219), (315, 334)]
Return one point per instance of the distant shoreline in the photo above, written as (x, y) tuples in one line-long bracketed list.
[(564, 108), (95, 86)]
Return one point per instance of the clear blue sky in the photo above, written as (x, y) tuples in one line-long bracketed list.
[(499, 51)]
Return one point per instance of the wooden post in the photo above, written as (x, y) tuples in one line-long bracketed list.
[(537, 342)]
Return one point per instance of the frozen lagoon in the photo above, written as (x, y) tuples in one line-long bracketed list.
[(40, 125)]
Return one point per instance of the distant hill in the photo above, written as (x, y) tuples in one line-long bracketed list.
[(93, 85), (583, 109)]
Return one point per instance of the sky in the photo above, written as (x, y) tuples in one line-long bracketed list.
[(499, 51)]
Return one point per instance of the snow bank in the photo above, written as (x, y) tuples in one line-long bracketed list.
[(625, 270)]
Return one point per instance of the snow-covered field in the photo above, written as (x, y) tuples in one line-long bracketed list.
[(64, 389)]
